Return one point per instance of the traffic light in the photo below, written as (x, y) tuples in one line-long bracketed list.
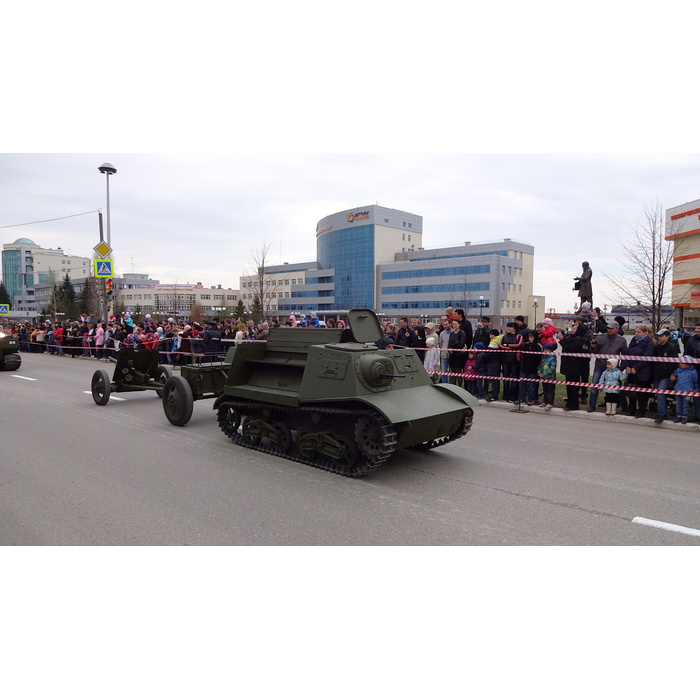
[(108, 286)]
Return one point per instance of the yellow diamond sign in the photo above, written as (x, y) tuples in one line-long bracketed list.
[(102, 249)]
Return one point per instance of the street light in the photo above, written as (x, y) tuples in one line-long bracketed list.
[(481, 307), (108, 169), (535, 304)]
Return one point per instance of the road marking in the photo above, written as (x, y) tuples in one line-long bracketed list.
[(111, 398), (19, 376), (667, 526)]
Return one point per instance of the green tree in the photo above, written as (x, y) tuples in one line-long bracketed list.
[(256, 308), (239, 311), (4, 294), (68, 298)]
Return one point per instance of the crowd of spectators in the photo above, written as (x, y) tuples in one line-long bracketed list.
[(520, 360), (517, 360)]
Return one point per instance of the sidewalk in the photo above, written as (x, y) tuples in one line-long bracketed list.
[(599, 414)]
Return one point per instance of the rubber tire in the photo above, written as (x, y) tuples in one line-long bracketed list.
[(101, 387), (178, 401), (164, 374), (11, 362)]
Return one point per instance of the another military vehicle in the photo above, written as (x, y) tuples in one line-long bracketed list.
[(331, 399), (10, 359)]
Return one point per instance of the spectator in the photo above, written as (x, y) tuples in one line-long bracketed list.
[(573, 367), (419, 330), (458, 359), (444, 344), (481, 334), (480, 369), (510, 361), (530, 360), (547, 370), (609, 344), (493, 364), (470, 373), (548, 333), (638, 371), (466, 326), (406, 336), (686, 378), (662, 371), (431, 361), (612, 376)]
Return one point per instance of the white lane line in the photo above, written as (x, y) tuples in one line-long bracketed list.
[(111, 398), (667, 526), (19, 376)]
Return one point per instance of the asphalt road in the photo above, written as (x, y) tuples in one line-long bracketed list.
[(74, 473)]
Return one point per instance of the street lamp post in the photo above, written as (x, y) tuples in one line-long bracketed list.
[(535, 304), (481, 307), (108, 169)]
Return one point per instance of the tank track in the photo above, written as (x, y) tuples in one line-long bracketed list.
[(357, 423)]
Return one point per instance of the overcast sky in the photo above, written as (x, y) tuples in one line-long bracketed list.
[(196, 218)]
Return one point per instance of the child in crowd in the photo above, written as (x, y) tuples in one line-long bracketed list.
[(614, 376), (686, 378), (548, 370), (470, 373), (547, 333), (431, 361)]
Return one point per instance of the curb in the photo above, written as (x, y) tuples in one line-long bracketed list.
[(668, 424)]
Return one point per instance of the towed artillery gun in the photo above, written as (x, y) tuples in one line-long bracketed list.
[(136, 370)]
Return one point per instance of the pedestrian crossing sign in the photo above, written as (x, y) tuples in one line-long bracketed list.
[(103, 268), (4, 309)]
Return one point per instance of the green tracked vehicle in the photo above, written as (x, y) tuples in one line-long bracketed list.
[(331, 399), (10, 359)]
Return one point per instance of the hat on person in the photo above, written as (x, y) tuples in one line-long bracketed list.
[(614, 363), (187, 328), (159, 329), (548, 321), (479, 346), (586, 305), (548, 346), (663, 331), (430, 326), (430, 341), (382, 343), (613, 324), (686, 359)]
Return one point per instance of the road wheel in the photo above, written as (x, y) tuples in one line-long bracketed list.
[(164, 374), (229, 419), (101, 388), (177, 400), (11, 362)]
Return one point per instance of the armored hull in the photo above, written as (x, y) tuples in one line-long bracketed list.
[(331, 399)]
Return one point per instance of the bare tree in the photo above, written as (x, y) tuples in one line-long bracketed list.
[(259, 282), (648, 265)]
